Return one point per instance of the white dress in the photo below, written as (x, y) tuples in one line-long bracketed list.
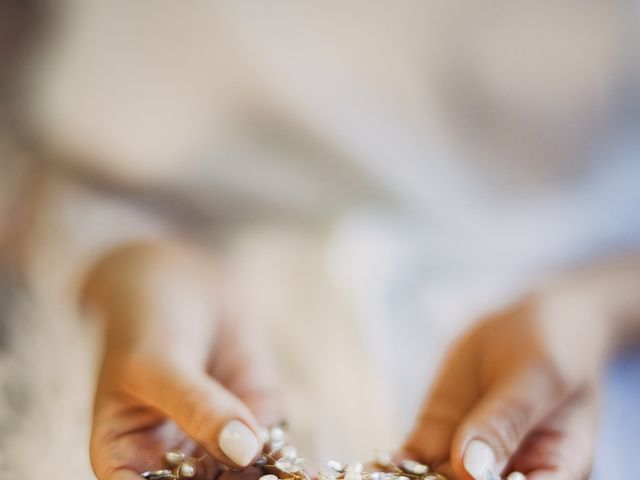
[(385, 173)]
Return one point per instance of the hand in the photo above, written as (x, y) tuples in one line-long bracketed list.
[(518, 393), (178, 371)]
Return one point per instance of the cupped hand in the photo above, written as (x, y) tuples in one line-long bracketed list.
[(518, 392), (179, 371)]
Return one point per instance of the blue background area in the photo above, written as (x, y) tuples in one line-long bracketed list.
[(618, 452)]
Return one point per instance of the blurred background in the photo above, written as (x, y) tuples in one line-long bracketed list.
[(377, 174)]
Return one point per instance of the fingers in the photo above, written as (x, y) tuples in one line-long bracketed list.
[(243, 363), (451, 398), (207, 412), (496, 388), (562, 447), (494, 429), (159, 340)]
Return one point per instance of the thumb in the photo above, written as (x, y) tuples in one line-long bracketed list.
[(211, 415), (494, 429)]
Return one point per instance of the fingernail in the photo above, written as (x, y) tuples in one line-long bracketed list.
[(238, 443), (269, 476), (516, 476), (479, 459)]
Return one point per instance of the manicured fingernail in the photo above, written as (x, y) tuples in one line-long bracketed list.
[(238, 443), (516, 476), (479, 459), (269, 476)]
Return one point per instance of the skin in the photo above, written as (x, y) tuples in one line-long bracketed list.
[(171, 377), (524, 380), (501, 384)]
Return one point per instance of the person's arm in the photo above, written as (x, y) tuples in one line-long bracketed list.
[(519, 392)]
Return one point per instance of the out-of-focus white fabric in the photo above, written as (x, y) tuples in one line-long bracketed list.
[(293, 104), (452, 149)]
